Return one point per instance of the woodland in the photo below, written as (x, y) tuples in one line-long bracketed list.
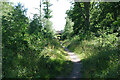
[(31, 49)]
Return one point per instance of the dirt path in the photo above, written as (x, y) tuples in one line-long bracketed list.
[(77, 65)]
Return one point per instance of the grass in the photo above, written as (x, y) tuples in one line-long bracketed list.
[(62, 65), (98, 61), (49, 63)]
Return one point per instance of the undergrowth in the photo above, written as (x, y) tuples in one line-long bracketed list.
[(99, 59), (48, 63)]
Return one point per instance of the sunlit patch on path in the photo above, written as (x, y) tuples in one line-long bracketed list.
[(76, 72), (73, 57), (77, 65)]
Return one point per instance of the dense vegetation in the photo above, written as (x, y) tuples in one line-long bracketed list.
[(95, 37), (29, 48)]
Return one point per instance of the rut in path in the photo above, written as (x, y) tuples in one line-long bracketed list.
[(77, 65)]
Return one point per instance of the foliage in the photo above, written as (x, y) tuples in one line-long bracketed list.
[(46, 9), (103, 61), (91, 31), (97, 45), (68, 31), (28, 48)]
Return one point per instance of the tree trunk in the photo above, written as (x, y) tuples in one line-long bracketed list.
[(86, 14), (87, 21)]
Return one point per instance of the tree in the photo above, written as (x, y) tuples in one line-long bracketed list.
[(92, 17), (46, 22), (68, 30), (79, 14), (35, 25), (85, 14), (14, 28), (46, 9)]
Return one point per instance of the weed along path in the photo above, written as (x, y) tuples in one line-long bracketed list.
[(77, 66)]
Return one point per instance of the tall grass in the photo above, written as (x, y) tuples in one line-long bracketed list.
[(99, 59), (47, 63)]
